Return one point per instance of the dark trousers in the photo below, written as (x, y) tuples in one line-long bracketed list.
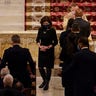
[(45, 74), (67, 83), (83, 89), (68, 91)]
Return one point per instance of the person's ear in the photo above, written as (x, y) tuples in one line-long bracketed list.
[(80, 45)]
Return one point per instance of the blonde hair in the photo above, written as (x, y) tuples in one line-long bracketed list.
[(73, 5)]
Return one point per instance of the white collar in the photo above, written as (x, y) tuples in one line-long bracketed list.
[(84, 48), (78, 17), (75, 32)]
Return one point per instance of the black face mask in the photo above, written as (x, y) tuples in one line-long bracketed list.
[(45, 27)]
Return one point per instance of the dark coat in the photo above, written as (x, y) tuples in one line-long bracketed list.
[(8, 91), (67, 39), (68, 43), (83, 71), (85, 27), (63, 41), (1, 83), (17, 59), (46, 38)]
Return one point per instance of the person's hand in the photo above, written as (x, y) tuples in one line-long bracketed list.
[(43, 48), (50, 46), (32, 76)]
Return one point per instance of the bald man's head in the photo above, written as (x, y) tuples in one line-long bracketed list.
[(8, 80)]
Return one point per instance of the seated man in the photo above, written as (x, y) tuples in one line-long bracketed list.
[(8, 90), (19, 86), (4, 71)]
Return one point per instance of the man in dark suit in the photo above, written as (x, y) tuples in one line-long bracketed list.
[(18, 60), (8, 90), (83, 70), (85, 28)]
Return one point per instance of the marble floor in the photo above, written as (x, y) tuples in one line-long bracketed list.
[(55, 87)]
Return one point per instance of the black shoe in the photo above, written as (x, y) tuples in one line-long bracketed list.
[(46, 87), (42, 85)]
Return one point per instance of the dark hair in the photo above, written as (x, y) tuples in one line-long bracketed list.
[(75, 27), (19, 86), (46, 18), (15, 38), (84, 41), (69, 24)]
